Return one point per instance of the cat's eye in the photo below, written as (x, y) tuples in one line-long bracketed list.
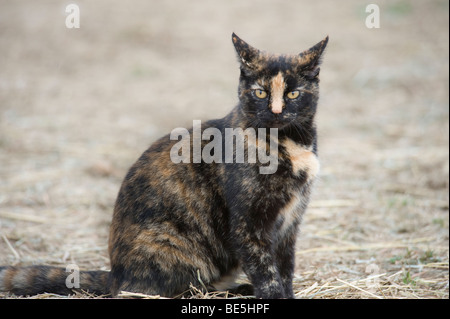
[(293, 94), (260, 94)]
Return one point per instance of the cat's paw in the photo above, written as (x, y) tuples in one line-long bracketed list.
[(244, 290)]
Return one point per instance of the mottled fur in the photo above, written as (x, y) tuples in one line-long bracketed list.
[(177, 224)]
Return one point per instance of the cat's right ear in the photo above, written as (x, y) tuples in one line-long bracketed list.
[(246, 52)]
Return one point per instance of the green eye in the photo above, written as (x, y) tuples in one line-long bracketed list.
[(293, 95), (260, 94)]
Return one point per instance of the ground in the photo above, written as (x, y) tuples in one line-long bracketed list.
[(78, 106)]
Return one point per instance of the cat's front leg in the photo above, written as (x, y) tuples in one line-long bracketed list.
[(285, 258), (258, 262), (260, 267)]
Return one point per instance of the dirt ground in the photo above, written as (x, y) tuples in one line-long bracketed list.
[(78, 106)]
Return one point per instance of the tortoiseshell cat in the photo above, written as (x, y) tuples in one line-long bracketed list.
[(202, 223)]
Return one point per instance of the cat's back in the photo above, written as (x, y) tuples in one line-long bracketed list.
[(159, 186)]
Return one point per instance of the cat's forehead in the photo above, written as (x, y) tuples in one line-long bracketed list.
[(276, 70), (271, 64)]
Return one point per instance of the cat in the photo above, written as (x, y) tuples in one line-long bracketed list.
[(177, 224)]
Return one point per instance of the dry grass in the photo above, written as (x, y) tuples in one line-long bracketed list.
[(77, 107)]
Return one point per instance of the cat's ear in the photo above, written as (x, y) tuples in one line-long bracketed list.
[(311, 59), (246, 52)]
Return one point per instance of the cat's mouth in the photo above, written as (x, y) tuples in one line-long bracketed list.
[(277, 121), (265, 120)]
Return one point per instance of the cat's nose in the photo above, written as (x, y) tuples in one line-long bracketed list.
[(277, 107)]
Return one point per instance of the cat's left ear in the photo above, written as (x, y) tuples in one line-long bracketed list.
[(311, 59), (247, 54)]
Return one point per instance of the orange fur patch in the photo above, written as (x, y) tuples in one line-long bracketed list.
[(277, 93), (302, 159)]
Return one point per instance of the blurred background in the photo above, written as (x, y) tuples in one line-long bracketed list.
[(78, 107)]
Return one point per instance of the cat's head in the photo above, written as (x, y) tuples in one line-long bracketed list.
[(278, 90)]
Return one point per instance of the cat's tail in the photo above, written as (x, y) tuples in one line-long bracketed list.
[(33, 280)]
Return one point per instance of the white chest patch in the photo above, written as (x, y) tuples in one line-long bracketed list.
[(302, 159)]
